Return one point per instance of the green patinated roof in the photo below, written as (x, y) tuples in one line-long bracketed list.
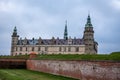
[(88, 23), (15, 30), (65, 32)]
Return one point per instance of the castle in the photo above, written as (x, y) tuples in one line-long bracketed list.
[(67, 45)]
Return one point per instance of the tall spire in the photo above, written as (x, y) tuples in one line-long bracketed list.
[(88, 24), (65, 31)]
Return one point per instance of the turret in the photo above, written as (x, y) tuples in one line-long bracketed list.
[(15, 36), (14, 40), (25, 42), (39, 41), (88, 38), (53, 41)]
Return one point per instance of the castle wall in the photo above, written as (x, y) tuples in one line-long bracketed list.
[(6, 63), (49, 49), (83, 70)]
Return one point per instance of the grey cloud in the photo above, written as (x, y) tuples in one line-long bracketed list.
[(46, 18)]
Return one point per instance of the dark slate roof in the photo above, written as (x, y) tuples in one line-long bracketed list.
[(48, 42)]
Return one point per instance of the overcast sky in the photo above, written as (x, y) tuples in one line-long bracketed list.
[(46, 18)]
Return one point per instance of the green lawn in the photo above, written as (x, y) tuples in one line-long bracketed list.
[(113, 56), (14, 57), (22, 74)]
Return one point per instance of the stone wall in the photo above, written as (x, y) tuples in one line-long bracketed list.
[(12, 64), (48, 49), (83, 70)]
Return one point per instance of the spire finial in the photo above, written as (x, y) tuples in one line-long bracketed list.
[(66, 22), (15, 30), (88, 12), (88, 24), (65, 31)]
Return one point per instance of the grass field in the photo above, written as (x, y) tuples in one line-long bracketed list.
[(22, 74), (115, 56)]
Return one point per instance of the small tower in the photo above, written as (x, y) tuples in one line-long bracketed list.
[(65, 32), (53, 41), (90, 44), (39, 41), (14, 40), (25, 41)]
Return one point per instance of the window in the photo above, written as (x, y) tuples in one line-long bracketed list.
[(39, 48), (69, 49), (32, 48), (90, 44), (77, 49), (60, 49), (26, 48), (20, 53), (20, 48), (46, 48), (65, 49), (16, 49)]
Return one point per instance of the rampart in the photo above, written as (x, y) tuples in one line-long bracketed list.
[(79, 69), (83, 70), (13, 63)]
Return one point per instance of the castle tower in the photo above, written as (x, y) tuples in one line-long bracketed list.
[(88, 37), (65, 32), (14, 40)]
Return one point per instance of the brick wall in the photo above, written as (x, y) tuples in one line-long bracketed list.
[(83, 70), (12, 64)]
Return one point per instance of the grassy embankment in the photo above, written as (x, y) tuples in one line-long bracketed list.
[(21, 74), (14, 57), (7, 74), (115, 56)]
